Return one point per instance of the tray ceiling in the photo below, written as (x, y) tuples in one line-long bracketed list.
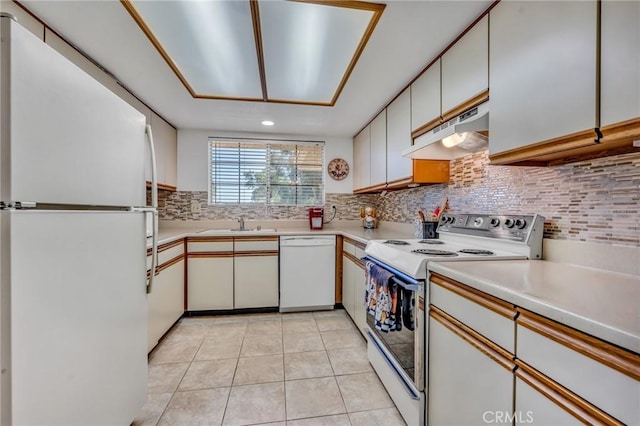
[(299, 52)]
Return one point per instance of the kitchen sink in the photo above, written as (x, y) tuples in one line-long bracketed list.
[(236, 230)]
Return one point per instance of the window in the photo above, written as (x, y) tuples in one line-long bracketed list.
[(266, 172)]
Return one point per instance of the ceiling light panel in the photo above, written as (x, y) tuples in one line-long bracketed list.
[(310, 48), (209, 44)]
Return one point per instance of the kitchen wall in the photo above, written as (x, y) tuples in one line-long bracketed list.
[(595, 201)]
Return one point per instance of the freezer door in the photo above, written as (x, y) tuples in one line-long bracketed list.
[(70, 139), (78, 316)]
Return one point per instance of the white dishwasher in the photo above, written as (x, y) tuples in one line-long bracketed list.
[(307, 272)]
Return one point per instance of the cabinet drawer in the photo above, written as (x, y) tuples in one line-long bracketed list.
[(605, 375), (210, 245), (170, 251), (488, 315), (349, 247), (256, 244), (541, 401)]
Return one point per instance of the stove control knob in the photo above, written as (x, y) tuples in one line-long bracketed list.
[(494, 222), (509, 223), (521, 223), (477, 222), (448, 219)]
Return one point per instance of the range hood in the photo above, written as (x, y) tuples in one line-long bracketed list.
[(455, 138)]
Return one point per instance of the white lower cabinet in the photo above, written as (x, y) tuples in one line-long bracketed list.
[(536, 408), (255, 281), (165, 303), (359, 286), (353, 283), (466, 385), (210, 282), (225, 273)]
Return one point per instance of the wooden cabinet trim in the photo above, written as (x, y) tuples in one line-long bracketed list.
[(338, 272), (621, 360), (426, 127), (484, 345), (492, 303), (354, 259), (208, 254), (468, 104), (169, 263), (546, 151), (167, 246), (253, 238), (376, 188), (209, 239), (562, 397), (163, 186), (623, 131), (356, 243), (256, 253)]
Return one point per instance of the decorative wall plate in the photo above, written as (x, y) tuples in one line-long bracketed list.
[(338, 169)]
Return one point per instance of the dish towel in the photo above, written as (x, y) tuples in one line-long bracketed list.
[(382, 298)]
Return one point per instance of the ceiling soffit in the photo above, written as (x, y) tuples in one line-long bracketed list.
[(296, 52)]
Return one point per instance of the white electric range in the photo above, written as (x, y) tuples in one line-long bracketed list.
[(398, 357)]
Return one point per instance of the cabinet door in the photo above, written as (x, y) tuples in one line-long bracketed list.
[(620, 64), (399, 137), (165, 140), (210, 282), (165, 304), (542, 70), (464, 382), (256, 281), (348, 269), (359, 287), (425, 97), (535, 408), (379, 149), (465, 67), (362, 159)]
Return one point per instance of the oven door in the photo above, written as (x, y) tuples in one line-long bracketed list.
[(403, 349)]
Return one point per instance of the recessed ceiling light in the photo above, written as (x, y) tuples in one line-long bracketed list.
[(267, 123)]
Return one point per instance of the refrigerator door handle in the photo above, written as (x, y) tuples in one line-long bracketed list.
[(154, 205)]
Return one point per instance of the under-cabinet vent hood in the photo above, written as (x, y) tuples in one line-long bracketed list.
[(456, 138)]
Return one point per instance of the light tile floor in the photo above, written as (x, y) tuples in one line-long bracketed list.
[(299, 369)]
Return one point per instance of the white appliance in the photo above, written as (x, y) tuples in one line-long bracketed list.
[(402, 367), (455, 138), (307, 272), (72, 242)]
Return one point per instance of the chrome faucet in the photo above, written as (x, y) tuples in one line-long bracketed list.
[(241, 221)]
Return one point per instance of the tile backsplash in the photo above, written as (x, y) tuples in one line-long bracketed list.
[(595, 200)]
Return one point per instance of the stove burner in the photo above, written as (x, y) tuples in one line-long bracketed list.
[(430, 242), (432, 252), (478, 252), (397, 242)]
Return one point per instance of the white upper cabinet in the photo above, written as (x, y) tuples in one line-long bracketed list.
[(29, 22), (465, 67), (379, 149), (165, 140), (425, 97), (399, 137), (620, 65), (362, 159), (542, 71)]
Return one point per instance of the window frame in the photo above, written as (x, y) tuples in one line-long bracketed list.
[(269, 143)]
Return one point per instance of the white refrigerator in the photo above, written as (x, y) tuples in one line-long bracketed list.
[(73, 276)]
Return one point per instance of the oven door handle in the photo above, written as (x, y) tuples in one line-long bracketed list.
[(406, 286), (405, 278)]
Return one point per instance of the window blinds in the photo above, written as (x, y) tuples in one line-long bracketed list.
[(275, 173)]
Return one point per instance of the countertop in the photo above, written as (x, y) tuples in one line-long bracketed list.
[(597, 302), (168, 234)]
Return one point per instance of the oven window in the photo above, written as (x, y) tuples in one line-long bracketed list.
[(400, 344)]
